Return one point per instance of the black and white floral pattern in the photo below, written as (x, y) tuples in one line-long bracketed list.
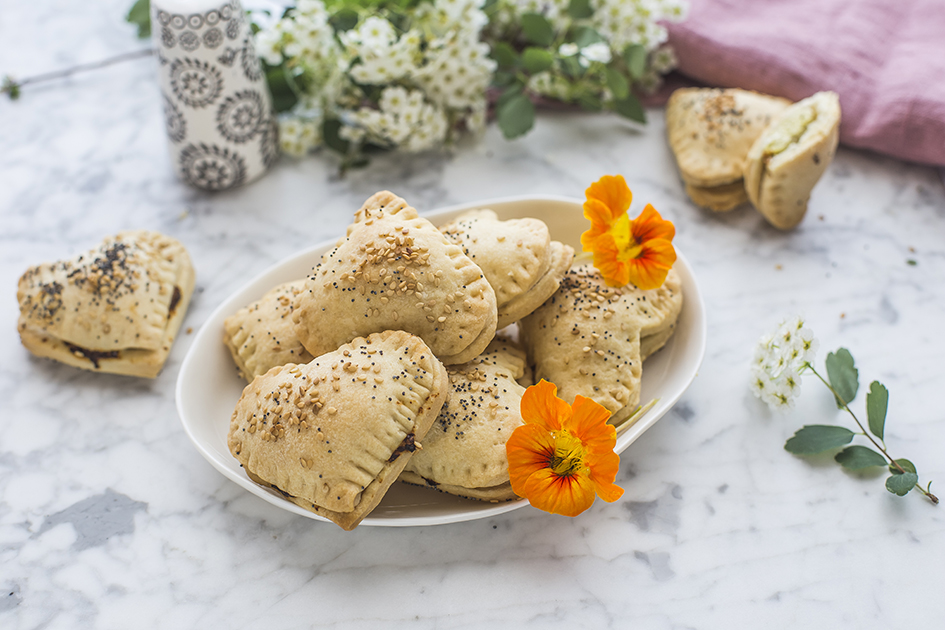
[(217, 110), (196, 83), (174, 121), (249, 61), (212, 167), (241, 116), (189, 41)]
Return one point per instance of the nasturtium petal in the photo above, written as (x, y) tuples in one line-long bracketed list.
[(568, 496), (650, 225), (529, 449), (589, 424), (541, 406), (613, 192)]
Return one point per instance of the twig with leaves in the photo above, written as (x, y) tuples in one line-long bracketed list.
[(780, 360)]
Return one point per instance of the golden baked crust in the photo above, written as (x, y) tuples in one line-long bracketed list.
[(720, 198), (788, 159), (116, 308), (332, 435), (395, 270), (710, 131), (464, 452), (262, 335), (586, 338), (517, 257)]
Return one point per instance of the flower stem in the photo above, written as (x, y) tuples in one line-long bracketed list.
[(882, 448), (12, 87)]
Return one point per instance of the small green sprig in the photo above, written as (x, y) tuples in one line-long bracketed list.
[(843, 382)]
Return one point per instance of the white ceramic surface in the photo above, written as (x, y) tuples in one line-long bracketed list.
[(208, 386)]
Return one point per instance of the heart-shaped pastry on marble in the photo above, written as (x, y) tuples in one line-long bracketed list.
[(464, 452), (395, 271), (711, 130), (518, 258), (591, 339), (116, 308), (261, 336), (788, 159), (333, 435)]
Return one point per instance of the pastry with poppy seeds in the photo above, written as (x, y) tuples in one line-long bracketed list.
[(395, 271), (517, 257), (115, 309), (334, 434), (262, 335), (591, 339), (464, 452)]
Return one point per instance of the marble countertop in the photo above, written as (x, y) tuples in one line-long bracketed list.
[(109, 518)]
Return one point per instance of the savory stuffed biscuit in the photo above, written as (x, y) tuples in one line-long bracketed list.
[(464, 452), (114, 309), (332, 435), (517, 257), (396, 271), (591, 339), (787, 160)]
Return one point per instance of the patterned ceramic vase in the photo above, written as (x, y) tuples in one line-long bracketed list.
[(217, 107)]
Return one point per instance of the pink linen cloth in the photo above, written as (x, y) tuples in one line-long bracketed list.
[(885, 58)]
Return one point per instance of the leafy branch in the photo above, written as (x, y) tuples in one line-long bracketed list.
[(843, 382)]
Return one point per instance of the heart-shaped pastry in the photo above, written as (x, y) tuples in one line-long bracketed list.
[(262, 335), (787, 160), (587, 337), (711, 130), (518, 258), (116, 308), (464, 452), (395, 271), (334, 434)]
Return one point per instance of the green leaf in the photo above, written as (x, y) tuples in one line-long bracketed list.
[(283, 97), (332, 138), (901, 484), (631, 108), (537, 29), (859, 457), (906, 465), (580, 9), (590, 101), (10, 87), (537, 60), (516, 116), (817, 438), (876, 402), (510, 93), (635, 57), (842, 375), (503, 79), (344, 20), (572, 67), (140, 16), (504, 55), (618, 84), (584, 36)]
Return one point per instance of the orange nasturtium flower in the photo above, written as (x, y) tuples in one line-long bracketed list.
[(639, 250), (563, 456)]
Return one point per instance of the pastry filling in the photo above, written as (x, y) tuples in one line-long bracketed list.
[(409, 444), (790, 129), (95, 356)]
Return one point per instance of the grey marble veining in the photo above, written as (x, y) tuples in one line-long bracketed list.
[(109, 518)]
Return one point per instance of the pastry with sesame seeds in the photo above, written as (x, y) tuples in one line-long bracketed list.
[(333, 435), (591, 339), (710, 131), (518, 257), (395, 271), (262, 335), (464, 452), (115, 309)]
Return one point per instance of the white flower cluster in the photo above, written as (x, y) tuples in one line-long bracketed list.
[(404, 120), (433, 76), (624, 22), (779, 360)]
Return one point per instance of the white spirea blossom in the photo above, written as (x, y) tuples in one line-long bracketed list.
[(404, 119), (779, 360)]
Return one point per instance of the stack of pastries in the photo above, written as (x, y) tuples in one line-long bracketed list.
[(385, 363)]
